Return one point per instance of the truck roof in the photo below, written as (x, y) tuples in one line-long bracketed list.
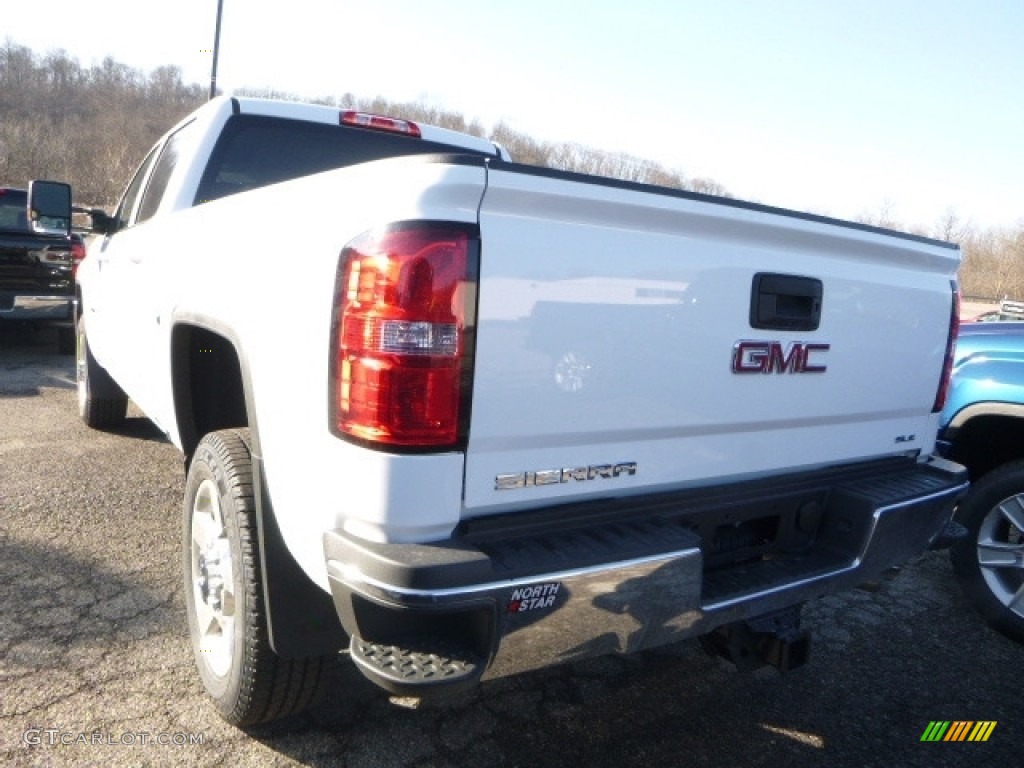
[(328, 115)]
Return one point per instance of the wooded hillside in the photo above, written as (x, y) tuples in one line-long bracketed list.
[(91, 126)]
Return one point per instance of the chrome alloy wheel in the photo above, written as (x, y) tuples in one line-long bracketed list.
[(1000, 545), (213, 580)]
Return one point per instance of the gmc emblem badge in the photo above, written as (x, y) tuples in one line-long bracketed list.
[(772, 357)]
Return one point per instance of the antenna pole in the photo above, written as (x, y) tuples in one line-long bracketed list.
[(216, 50)]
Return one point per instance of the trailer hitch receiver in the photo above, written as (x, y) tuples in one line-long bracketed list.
[(775, 639)]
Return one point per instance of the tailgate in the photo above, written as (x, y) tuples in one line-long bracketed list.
[(616, 353), (33, 264)]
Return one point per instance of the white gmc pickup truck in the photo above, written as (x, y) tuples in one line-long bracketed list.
[(461, 418)]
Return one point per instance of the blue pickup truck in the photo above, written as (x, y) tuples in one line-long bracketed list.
[(982, 427)]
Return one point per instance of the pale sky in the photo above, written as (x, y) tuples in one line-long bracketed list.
[(840, 107)]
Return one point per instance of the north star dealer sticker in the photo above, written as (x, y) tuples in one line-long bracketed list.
[(533, 598)]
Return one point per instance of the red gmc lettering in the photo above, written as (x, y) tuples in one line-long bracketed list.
[(771, 357)]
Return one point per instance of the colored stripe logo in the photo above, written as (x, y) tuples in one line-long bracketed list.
[(958, 730)]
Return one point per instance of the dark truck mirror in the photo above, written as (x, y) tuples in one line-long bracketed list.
[(49, 207), (101, 223)]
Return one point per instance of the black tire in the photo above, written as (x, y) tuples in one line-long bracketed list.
[(990, 562), (248, 682), (101, 402)]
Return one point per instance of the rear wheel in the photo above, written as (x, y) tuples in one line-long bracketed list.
[(249, 683), (101, 402), (990, 561)]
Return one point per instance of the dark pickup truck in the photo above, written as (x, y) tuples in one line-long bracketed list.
[(37, 271)]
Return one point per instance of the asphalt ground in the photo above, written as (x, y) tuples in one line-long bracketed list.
[(96, 670)]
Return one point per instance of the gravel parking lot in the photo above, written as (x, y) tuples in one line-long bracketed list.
[(95, 667)]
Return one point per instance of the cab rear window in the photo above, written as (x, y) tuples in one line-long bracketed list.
[(254, 151)]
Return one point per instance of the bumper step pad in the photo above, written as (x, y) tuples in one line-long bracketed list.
[(411, 671)]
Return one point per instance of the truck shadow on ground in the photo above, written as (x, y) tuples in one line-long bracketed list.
[(55, 605), (638, 711), (139, 428), (870, 690), (15, 389), (30, 362)]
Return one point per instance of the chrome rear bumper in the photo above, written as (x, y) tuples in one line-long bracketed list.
[(38, 308), (489, 604)]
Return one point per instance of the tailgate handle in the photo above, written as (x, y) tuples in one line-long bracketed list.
[(785, 302)]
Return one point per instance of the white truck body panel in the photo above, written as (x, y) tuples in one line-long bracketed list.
[(648, 295), (337, 485), (636, 456), (656, 291)]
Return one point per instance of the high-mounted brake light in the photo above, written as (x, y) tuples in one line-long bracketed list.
[(380, 123), (402, 339), (947, 363)]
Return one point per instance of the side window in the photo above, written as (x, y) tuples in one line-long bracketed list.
[(162, 173), (131, 195)]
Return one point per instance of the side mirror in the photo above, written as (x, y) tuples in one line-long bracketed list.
[(49, 207), (101, 223)]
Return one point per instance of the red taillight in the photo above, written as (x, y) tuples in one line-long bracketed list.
[(947, 363), (380, 123), (77, 254), (404, 312)]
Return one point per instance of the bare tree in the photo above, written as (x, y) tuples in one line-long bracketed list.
[(92, 126)]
